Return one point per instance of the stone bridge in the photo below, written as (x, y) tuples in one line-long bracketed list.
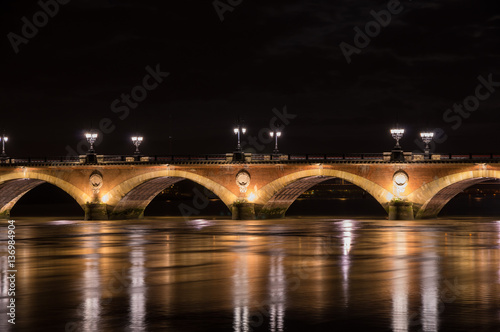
[(250, 189)]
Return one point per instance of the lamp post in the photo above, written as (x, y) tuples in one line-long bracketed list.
[(397, 152), (137, 140), (239, 131), (238, 155), (427, 138), (275, 133), (4, 139), (397, 134), (91, 137)]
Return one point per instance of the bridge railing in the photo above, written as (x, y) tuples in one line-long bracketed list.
[(469, 156), (161, 159), (252, 157), (338, 156)]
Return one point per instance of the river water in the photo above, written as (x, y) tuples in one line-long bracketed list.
[(302, 274)]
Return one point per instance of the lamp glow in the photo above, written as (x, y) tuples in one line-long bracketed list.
[(239, 131), (275, 133), (427, 139), (397, 134), (4, 140), (91, 138), (105, 199), (137, 140)]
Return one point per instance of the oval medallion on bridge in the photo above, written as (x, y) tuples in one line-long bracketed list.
[(95, 182), (243, 180), (400, 178)]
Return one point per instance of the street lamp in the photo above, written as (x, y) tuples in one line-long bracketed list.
[(276, 133), (4, 139), (239, 131), (427, 138), (397, 134), (91, 138), (397, 154), (137, 140)]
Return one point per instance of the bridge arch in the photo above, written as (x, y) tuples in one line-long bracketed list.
[(15, 185), (276, 197), (129, 199), (429, 199)]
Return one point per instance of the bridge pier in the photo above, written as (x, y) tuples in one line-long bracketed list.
[(5, 214), (400, 210), (95, 211), (243, 211)]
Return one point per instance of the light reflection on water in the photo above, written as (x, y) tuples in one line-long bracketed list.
[(346, 227), (138, 286), (429, 284), (400, 284), (275, 275), (92, 283)]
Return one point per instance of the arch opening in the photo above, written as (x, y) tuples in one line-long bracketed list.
[(338, 197), (439, 202), (147, 197), (33, 197), (281, 201), (186, 198)]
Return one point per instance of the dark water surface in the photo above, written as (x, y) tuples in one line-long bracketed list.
[(310, 274)]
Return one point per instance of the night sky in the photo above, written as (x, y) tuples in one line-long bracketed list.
[(263, 55)]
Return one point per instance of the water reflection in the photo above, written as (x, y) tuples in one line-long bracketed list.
[(240, 293), (277, 291), (498, 232), (429, 284), (347, 228), (182, 278), (137, 287), (4, 287), (400, 284), (92, 283)]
